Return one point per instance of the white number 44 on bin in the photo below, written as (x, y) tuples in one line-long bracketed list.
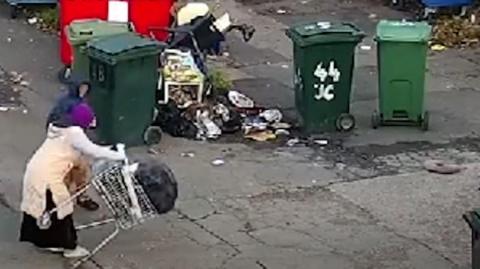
[(325, 89)]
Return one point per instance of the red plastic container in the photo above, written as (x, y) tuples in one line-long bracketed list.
[(145, 14), (71, 10)]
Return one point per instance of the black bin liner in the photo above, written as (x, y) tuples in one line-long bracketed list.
[(159, 183)]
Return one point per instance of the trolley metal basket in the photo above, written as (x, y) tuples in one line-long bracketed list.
[(124, 196)]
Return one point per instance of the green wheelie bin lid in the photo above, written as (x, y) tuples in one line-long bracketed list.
[(324, 32), (402, 31), (122, 47), (80, 32)]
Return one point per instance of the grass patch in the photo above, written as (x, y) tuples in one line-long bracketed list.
[(220, 81)]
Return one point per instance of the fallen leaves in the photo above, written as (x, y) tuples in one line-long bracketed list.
[(454, 32)]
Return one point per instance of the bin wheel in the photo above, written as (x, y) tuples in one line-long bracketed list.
[(398, 4), (425, 121), (345, 122), (376, 120), (64, 74), (13, 12), (152, 136)]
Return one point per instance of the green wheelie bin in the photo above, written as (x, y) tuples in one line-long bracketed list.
[(324, 56), (124, 76), (473, 220), (402, 55), (79, 32)]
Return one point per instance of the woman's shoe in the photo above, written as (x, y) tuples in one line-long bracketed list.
[(54, 250), (87, 203), (78, 252)]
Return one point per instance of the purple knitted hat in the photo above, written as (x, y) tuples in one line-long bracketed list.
[(82, 115)]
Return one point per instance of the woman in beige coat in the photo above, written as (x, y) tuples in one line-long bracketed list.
[(47, 178)]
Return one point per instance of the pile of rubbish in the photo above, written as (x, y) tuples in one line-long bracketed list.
[(223, 114), (457, 32), (185, 110)]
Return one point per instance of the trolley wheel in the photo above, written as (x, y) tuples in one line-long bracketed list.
[(64, 74), (425, 121), (345, 122), (153, 135), (376, 120), (13, 11)]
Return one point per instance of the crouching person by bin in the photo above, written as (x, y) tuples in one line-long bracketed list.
[(78, 91), (46, 182)]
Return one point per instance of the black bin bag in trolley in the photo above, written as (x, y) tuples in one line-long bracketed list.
[(158, 182)]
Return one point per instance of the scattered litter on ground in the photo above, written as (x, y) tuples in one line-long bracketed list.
[(240, 100), (254, 124), (262, 136), (285, 66), (438, 47), (25, 111), (280, 125), (321, 142), (372, 16), (32, 20), (207, 128), (292, 142), (442, 167), (365, 47), (272, 115), (188, 154), (218, 162), (152, 151), (24, 83), (281, 11), (282, 132), (9, 39)]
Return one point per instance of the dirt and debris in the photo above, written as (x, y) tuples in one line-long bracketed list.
[(218, 162), (442, 167), (454, 32), (44, 18), (10, 91)]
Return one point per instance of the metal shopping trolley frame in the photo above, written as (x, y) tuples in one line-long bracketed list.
[(124, 197)]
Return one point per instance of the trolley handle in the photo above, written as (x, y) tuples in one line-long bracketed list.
[(127, 176), (121, 149)]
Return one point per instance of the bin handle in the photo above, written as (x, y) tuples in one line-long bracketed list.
[(86, 32), (359, 31)]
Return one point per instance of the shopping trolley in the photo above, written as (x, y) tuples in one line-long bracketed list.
[(124, 196)]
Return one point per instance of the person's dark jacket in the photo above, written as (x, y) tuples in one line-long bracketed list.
[(66, 102)]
